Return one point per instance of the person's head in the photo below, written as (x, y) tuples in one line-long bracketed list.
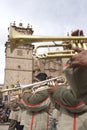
[(40, 77)]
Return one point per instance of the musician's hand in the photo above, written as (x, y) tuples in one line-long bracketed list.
[(80, 59), (52, 87)]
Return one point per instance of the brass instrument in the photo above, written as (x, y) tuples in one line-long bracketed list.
[(17, 38), (42, 85), (10, 89), (37, 86), (14, 35), (63, 50), (59, 52)]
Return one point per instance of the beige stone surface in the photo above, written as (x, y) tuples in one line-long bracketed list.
[(19, 66)]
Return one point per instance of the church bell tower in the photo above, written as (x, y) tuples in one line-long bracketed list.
[(19, 63)]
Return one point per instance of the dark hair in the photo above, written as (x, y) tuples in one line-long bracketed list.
[(41, 76)]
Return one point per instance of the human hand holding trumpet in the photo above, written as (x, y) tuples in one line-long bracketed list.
[(48, 84), (44, 85), (52, 86)]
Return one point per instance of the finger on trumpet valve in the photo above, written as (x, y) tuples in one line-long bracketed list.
[(79, 45), (51, 83), (73, 44), (85, 46)]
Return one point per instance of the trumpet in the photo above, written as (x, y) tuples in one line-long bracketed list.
[(62, 50), (42, 85), (10, 89), (37, 86), (15, 35), (17, 38), (59, 52)]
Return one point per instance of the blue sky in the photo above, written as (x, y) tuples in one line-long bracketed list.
[(47, 17)]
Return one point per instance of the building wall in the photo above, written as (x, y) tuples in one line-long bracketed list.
[(51, 66), (24, 66), (19, 65)]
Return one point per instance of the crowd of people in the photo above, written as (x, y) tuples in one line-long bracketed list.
[(4, 110)]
